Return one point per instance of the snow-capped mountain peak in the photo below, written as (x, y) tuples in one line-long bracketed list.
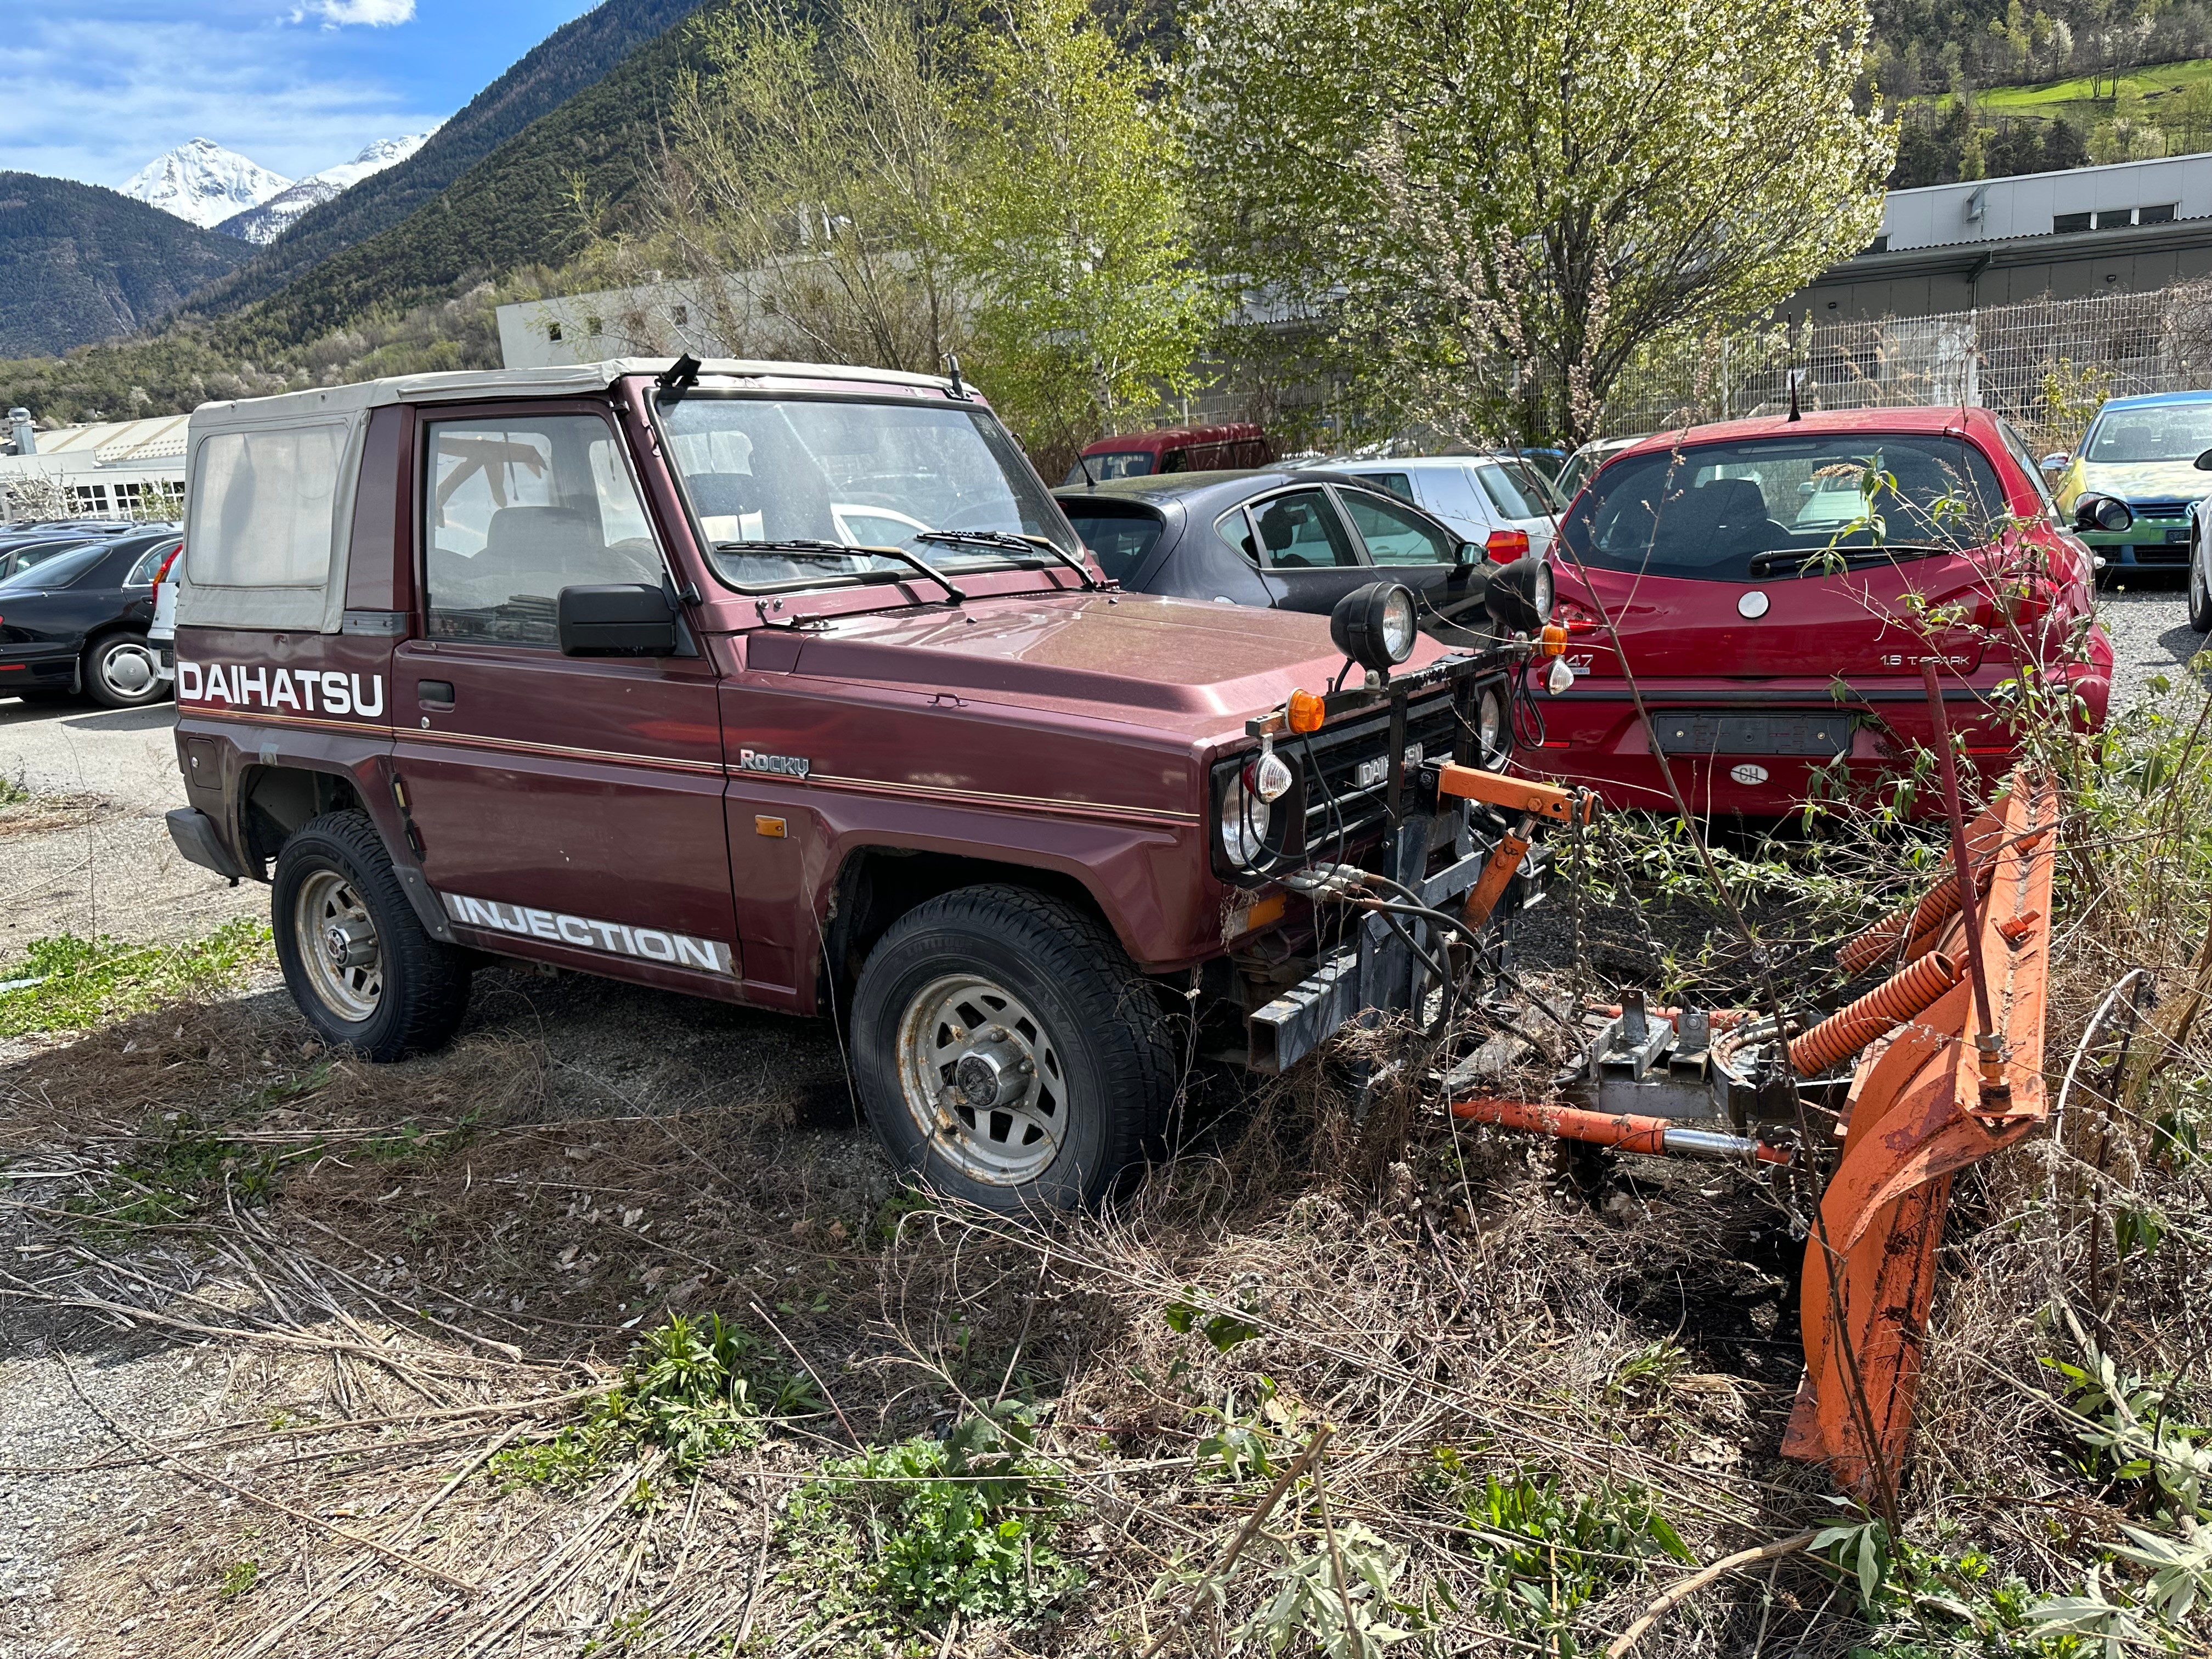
[(265, 221), (203, 182)]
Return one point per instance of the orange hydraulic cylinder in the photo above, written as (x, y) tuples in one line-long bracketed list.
[(1496, 872), (1625, 1131)]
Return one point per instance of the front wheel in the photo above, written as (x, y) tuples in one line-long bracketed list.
[(356, 957), (122, 671), (1008, 1053), (2200, 590)]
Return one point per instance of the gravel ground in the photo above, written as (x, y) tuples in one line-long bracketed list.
[(91, 854), (2148, 622)]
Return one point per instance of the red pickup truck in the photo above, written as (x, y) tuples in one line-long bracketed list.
[(791, 685)]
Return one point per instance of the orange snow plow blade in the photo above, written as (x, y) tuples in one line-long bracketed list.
[(1917, 1114)]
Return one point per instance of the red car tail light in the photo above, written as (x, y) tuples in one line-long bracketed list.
[(168, 564), (1576, 618), (1506, 545)]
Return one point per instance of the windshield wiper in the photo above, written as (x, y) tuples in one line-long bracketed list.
[(819, 548), (1763, 565), (1008, 538)]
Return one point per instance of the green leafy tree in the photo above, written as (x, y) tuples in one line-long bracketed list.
[(1073, 231), (1492, 206)]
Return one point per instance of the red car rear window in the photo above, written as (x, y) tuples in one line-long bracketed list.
[(1762, 507)]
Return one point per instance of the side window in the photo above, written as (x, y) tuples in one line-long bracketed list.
[(1397, 483), (142, 573), (2025, 462), (1234, 527), (1395, 534), (1301, 531), (516, 509)]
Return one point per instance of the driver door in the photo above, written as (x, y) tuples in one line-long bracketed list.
[(565, 807), (1406, 545)]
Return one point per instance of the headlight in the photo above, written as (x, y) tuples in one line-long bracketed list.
[(1374, 625), (1520, 595), (1244, 819), (1489, 725)]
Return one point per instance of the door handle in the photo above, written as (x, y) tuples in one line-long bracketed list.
[(435, 694)]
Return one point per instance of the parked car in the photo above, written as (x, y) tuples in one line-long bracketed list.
[(1180, 449), (21, 556), (1288, 538), (2143, 451), (1583, 465), (161, 633), (77, 623), (1716, 550), (1496, 501), (591, 677)]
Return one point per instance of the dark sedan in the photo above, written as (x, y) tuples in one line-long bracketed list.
[(21, 556), (77, 622), (1288, 540)]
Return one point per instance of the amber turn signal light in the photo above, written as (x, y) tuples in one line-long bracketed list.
[(1555, 639), (1305, 711)]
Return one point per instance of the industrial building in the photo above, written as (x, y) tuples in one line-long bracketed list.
[(121, 468)]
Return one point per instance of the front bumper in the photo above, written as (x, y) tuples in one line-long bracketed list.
[(1376, 972), (2160, 541)]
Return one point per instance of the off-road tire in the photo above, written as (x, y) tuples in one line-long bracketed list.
[(99, 660), (1103, 1019), (424, 987), (2200, 591)]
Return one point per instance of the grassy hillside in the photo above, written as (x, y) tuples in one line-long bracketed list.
[(79, 263), (2080, 120), (514, 207), (573, 57)]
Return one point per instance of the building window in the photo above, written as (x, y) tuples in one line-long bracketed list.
[(683, 315), (2115, 218), (2160, 215), (2070, 221), (1880, 245), (553, 333), (592, 326)]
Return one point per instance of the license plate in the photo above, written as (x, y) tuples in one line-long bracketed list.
[(2181, 535), (1728, 733)]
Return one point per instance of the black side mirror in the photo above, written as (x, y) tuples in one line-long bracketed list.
[(1469, 553), (2105, 513), (1520, 596), (2204, 462), (625, 620)]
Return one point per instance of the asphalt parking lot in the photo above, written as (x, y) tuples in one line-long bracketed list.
[(88, 853)]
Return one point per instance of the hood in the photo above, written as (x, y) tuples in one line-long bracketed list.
[(2146, 481), (1181, 665)]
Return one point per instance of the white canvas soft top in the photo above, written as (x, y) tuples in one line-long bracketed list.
[(303, 428)]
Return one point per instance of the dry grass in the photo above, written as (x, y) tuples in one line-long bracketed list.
[(411, 1269)]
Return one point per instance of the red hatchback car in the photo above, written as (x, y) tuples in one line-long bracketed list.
[(1776, 585)]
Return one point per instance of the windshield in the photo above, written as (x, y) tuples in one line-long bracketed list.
[(1118, 537), (2178, 432), (1711, 512), (1120, 464), (783, 486), (59, 570)]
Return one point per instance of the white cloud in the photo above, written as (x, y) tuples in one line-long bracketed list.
[(377, 13), (117, 83)]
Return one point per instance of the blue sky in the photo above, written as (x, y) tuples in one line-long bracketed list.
[(94, 89)]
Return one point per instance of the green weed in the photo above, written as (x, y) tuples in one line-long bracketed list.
[(13, 791), (166, 1180), (917, 1532), (238, 1579), (693, 1389), (75, 983), (1546, 1553)]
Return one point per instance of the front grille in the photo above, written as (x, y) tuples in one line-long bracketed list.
[(1339, 801), (2162, 510)]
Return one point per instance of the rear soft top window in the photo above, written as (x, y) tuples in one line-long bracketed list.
[(1119, 534), (1780, 506)]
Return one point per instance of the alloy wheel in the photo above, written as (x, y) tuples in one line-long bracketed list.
[(982, 1078)]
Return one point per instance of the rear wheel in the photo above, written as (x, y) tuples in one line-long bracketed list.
[(2200, 587), (121, 671), (356, 958), (1008, 1052)]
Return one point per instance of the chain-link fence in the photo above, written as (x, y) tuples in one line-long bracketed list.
[(2045, 365)]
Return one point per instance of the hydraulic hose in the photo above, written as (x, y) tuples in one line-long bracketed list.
[(1880, 1011)]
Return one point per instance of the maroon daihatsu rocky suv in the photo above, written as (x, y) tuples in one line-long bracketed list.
[(790, 685)]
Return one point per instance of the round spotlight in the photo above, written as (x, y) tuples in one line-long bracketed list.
[(1490, 727), (1374, 625), (1521, 596)]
